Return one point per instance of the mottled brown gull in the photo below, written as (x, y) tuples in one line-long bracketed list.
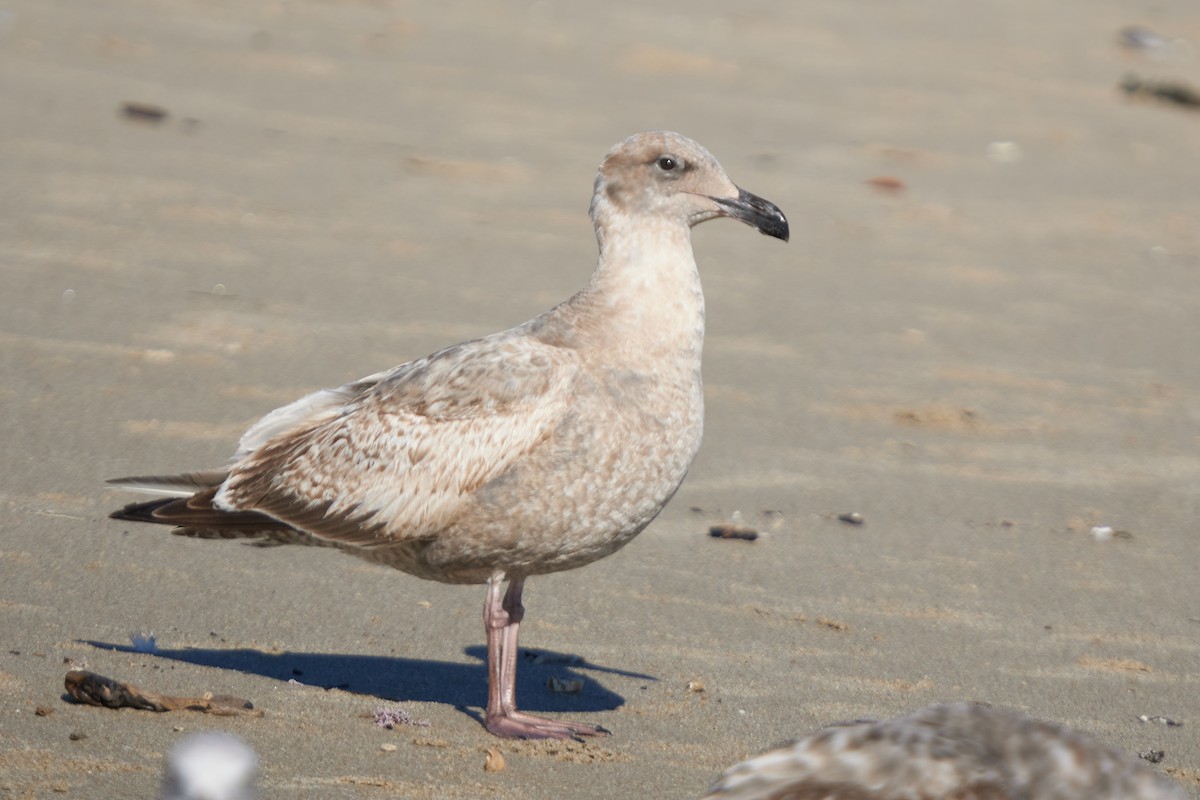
[(960, 751), (537, 449)]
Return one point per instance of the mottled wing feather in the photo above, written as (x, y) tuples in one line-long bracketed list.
[(398, 456), (305, 412)]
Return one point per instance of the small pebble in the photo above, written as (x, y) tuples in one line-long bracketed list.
[(494, 762), (77, 737), (565, 685), (1102, 533), (887, 184), (733, 530), (695, 687), (387, 747), (851, 518), (43, 711), (143, 112), (1153, 756)]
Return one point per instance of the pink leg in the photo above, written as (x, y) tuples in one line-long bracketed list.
[(502, 620)]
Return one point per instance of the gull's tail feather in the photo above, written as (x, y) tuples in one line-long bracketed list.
[(184, 485), (195, 515)]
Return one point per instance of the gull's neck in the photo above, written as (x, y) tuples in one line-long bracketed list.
[(644, 300)]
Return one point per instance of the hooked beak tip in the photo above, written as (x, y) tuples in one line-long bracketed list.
[(758, 213)]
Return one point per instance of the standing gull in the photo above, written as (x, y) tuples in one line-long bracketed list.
[(533, 450), (960, 751)]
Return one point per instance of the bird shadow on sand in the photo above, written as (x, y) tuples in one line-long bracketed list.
[(463, 686)]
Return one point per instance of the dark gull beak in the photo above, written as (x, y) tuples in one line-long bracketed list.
[(755, 212)]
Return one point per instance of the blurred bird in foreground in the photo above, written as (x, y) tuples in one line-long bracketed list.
[(962, 751)]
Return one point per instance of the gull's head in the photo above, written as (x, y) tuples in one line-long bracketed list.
[(668, 176)]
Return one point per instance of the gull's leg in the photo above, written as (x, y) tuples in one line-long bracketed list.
[(502, 618), (494, 621)]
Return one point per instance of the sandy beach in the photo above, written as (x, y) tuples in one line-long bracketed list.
[(982, 339)]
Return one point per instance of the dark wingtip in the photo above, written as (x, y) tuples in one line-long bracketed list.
[(141, 512)]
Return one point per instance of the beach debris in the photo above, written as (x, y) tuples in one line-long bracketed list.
[(833, 624), (696, 686), (1139, 37), (887, 184), (1106, 533), (92, 689), (494, 762), (146, 113), (734, 529), (391, 717), (1167, 90), (1153, 756), (1149, 42), (851, 518), (1004, 152), (1161, 720), (77, 737), (143, 642), (42, 711), (565, 685), (388, 747), (728, 530)]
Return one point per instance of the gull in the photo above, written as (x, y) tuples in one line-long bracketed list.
[(959, 751), (537, 449)]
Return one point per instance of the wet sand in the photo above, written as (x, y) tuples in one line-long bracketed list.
[(985, 361)]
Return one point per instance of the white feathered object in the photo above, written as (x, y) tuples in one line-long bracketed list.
[(211, 766)]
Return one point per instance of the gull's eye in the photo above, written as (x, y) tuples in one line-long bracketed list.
[(667, 163)]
